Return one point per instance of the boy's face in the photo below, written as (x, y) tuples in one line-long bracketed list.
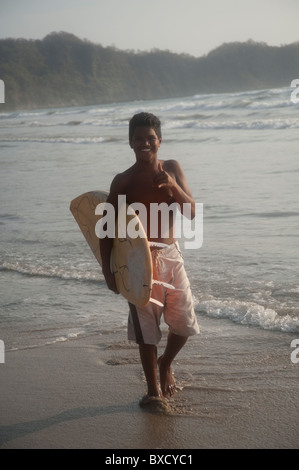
[(145, 143)]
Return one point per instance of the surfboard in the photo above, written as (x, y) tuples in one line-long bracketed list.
[(131, 260)]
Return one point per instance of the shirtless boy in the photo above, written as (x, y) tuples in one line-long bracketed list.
[(148, 181)]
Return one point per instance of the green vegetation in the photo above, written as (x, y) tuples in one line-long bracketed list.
[(63, 70)]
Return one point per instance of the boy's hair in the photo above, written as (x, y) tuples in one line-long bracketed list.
[(145, 120)]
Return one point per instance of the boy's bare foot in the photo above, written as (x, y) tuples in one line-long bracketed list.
[(167, 380)]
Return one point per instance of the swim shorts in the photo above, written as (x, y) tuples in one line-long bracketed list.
[(178, 310)]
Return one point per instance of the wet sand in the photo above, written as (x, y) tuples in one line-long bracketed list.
[(238, 388)]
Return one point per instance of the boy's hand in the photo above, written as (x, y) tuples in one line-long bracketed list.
[(163, 179)]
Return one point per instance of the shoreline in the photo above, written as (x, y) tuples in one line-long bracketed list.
[(237, 389)]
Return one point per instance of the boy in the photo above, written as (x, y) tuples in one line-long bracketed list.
[(148, 181)]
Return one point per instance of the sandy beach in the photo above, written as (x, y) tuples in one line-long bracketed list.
[(85, 393)]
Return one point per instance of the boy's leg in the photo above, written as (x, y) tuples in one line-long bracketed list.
[(148, 355), (174, 345)]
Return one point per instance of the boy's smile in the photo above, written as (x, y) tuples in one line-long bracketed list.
[(145, 143)]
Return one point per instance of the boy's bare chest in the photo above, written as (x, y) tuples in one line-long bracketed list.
[(145, 191)]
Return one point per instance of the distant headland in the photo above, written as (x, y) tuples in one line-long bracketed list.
[(62, 70)]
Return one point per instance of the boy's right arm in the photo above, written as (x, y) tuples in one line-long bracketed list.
[(107, 243), (106, 247)]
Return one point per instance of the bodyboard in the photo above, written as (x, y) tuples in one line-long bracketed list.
[(131, 261)]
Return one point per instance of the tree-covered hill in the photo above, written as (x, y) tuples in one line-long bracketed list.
[(63, 70)]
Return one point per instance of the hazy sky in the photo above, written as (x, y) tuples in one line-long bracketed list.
[(191, 26)]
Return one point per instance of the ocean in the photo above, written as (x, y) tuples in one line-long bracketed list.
[(239, 152)]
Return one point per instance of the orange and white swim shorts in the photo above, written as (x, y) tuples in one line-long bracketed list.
[(177, 309)]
